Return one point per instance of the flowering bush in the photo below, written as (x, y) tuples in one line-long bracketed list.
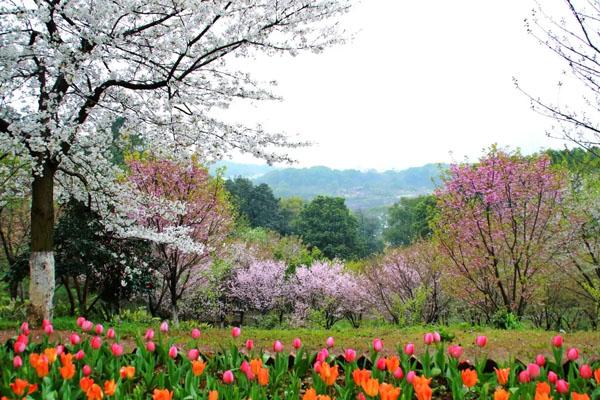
[(93, 364)]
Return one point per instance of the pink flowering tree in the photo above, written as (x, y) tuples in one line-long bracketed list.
[(501, 224), (185, 214)]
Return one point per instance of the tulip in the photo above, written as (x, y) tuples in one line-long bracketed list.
[(45, 322), (330, 341), (437, 337), (249, 344), (398, 373), (455, 351), (117, 349), (193, 354), (409, 349), (99, 329), (585, 371), (557, 341), (533, 370), (60, 349), (235, 332), (410, 377), (277, 346), (25, 329), (317, 366), (195, 333), (79, 355), (87, 370), (349, 355), (17, 362), (245, 367), (540, 360), (173, 352), (228, 376), (377, 345), (96, 342), (552, 377), (48, 329), (322, 355), (562, 386), (428, 338), (572, 354), (481, 341), (19, 346), (297, 343), (87, 326), (150, 346), (74, 339), (110, 333), (381, 364), (164, 327), (524, 377), (80, 321), (360, 396), (149, 335)]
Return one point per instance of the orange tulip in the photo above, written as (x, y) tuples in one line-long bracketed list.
[(66, 358), (542, 396), (422, 388), (371, 387), (110, 387), (469, 377), (162, 394), (198, 367), (597, 375), (94, 393), (501, 394), (502, 375), (310, 394), (255, 366), (127, 372), (360, 376), (392, 363), (40, 363), (388, 392), (263, 377), (50, 353), (577, 396), (21, 387), (67, 371), (213, 395), (328, 374), (86, 383), (542, 388)]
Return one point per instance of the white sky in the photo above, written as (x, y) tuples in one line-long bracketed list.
[(423, 81)]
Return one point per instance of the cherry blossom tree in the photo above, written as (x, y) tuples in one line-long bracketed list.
[(69, 69), (501, 224), (172, 197)]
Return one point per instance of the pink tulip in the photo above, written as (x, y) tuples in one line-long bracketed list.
[(360, 396), (552, 377), (173, 352), (99, 329), (398, 373), (585, 371), (245, 366), (150, 346), (17, 362), (87, 326), (193, 354), (540, 360), (297, 343), (381, 364), (79, 355), (195, 333), (349, 355), (409, 349), (45, 322), (228, 377), (562, 386), (533, 370), (317, 366), (80, 321), (149, 335), (524, 377), (428, 338), (117, 349), (277, 346), (572, 354), (481, 341), (235, 332), (164, 327), (249, 344), (455, 351), (60, 349), (377, 345), (437, 337), (557, 341), (410, 377), (19, 346), (330, 342), (48, 329), (87, 370), (22, 338), (74, 339), (96, 342), (25, 329), (110, 333), (322, 355)]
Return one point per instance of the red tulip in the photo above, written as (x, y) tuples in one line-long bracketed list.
[(349, 355), (193, 354), (60, 349), (48, 329), (524, 377), (398, 373), (235, 331), (377, 345), (562, 386), (79, 355), (45, 322), (195, 333), (87, 326), (96, 342), (481, 341), (552, 377), (99, 329), (317, 366), (360, 396), (80, 321), (249, 344), (428, 338), (117, 349), (533, 370), (150, 346), (410, 377), (585, 371), (297, 343), (540, 360), (228, 376), (455, 351), (409, 349), (19, 346), (381, 365), (17, 362), (110, 333), (87, 370), (437, 337), (25, 329), (74, 339), (557, 341), (572, 354), (173, 352), (322, 355)]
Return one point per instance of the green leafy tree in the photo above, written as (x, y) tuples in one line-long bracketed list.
[(369, 234), (256, 204), (326, 223), (290, 210), (408, 220)]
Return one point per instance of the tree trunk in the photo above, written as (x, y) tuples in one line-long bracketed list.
[(41, 261), (175, 313)]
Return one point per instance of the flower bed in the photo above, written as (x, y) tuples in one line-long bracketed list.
[(92, 364)]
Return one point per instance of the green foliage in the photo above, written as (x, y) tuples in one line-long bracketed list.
[(326, 223), (409, 220), (369, 234), (503, 319)]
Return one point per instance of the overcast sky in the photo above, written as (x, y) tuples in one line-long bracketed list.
[(423, 81)]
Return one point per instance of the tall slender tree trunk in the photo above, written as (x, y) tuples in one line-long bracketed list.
[(41, 261)]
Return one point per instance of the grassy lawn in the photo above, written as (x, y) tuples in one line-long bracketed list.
[(521, 344)]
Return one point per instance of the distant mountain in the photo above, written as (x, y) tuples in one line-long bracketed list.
[(250, 171)]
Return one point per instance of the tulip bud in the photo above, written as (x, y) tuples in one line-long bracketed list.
[(317, 366), (235, 332), (297, 343), (150, 346), (116, 349), (330, 341), (19, 346), (437, 337), (455, 351), (524, 377), (481, 341), (17, 362), (99, 329), (80, 321), (110, 333), (428, 338), (540, 360), (195, 333), (557, 341), (409, 349), (45, 322), (381, 364), (533, 370), (173, 352), (349, 355), (277, 346), (228, 376), (87, 370), (48, 329), (572, 354), (74, 339), (562, 386), (377, 345), (552, 377), (360, 396), (322, 355), (245, 366), (79, 355), (95, 342), (164, 327), (585, 371), (193, 354), (87, 326), (410, 377), (398, 373), (60, 349), (249, 344), (149, 335), (25, 329)]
